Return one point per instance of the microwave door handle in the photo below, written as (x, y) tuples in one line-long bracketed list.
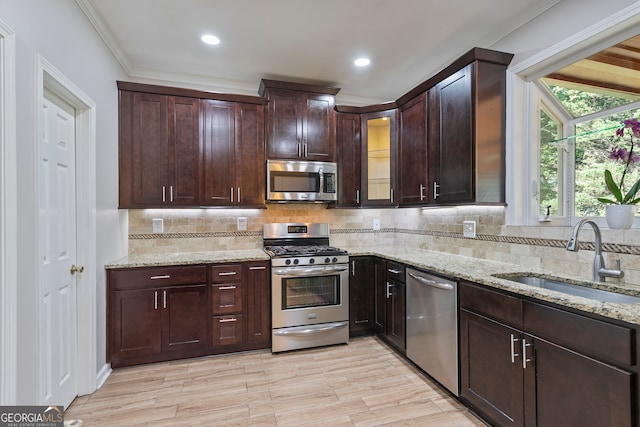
[(321, 173)]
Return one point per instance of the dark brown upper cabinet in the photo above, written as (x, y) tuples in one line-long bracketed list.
[(301, 121), (413, 179), (159, 141), (188, 148), (233, 154), (349, 150)]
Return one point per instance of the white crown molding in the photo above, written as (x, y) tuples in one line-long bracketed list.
[(92, 14), (601, 35)]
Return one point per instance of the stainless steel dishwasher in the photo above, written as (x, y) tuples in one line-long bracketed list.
[(432, 326)]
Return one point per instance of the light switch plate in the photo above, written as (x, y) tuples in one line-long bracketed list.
[(158, 225), (469, 229), (242, 223), (376, 224)]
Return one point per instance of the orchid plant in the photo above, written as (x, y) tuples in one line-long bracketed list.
[(627, 157)]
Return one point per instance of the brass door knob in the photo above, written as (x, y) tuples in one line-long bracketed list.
[(76, 269)]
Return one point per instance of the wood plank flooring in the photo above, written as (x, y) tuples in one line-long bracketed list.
[(363, 383)]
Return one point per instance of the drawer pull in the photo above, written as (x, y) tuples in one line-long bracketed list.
[(361, 321), (394, 271), (257, 268), (228, 320), (226, 288), (227, 273), (165, 276)]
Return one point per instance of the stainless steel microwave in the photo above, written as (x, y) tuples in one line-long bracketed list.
[(301, 181)]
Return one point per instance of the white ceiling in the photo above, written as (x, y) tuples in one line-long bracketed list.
[(308, 41)]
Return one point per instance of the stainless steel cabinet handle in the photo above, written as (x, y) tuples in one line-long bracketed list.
[(361, 321), (155, 298), (164, 299), (238, 200), (524, 353), (353, 268), (257, 268), (358, 196), (171, 193), (513, 348), (392, 198), (435, 190), (306, 149), (164, 276), (433, 283), (228, 320), (227, 273), (226, 288), (421, 192), (164, 194), (389, 285), (299, 150), (394, 271), (231, 193)]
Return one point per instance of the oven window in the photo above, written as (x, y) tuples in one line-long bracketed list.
[(294, 182), (303, 292)]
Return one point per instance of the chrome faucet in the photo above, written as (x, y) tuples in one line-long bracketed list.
[(599, 269)]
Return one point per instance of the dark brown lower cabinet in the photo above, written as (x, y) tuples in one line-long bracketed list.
[(361, 295), (389, 302), (227, 330), (569, 376)]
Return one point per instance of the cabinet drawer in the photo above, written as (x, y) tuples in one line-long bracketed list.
[(156, 277), (395, 271), (493, 304), (589, 336), (226, 298), (226, 273), (227, 330)]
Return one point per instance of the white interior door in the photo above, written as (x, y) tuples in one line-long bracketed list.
[(57, 238)]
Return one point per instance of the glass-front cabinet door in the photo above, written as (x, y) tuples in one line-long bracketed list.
[(379, 154)]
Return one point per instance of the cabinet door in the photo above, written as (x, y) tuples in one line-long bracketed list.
[(451, 138), (571, 389), (492, 381), (318, 127), (396, 311), (149, 150), (184, 318), (258, 312), (184, 138), (135, 325), (250, 162), (412, 157), (379, 159), (284, 125), (349, 150), (361, 296), (219, 153), (380, 295)]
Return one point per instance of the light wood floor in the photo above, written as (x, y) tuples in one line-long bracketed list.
[(363, 383)]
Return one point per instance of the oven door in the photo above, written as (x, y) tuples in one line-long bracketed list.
[(310, 295)]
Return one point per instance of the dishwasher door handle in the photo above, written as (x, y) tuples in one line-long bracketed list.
[(433, 283)]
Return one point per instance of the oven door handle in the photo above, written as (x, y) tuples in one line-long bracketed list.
[(324, 271), (310, 330)]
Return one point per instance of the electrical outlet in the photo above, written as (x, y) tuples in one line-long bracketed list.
[(242, 223), (157, 224), (469, 229), (376, 224)]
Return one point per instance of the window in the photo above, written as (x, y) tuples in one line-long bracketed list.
[(580, 107)]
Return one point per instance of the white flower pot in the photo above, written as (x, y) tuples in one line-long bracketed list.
[(620, 216)]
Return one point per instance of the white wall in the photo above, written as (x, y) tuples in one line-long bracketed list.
[(58, 30)]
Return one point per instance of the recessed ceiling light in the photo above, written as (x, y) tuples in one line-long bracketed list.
[(210, 39), (362, 62)]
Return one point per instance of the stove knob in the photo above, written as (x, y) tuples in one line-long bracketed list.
[(312, 261), (334, 259), (327, 260), (295, 261), (288, 262)]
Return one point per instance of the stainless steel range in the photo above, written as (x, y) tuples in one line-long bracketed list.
[(310, 286)]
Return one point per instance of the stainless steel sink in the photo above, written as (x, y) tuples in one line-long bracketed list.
[(573, 289)]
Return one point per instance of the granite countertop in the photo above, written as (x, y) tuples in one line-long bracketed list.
[(454, 266)]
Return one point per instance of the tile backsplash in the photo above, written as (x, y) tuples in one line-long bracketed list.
[(440, 229)]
